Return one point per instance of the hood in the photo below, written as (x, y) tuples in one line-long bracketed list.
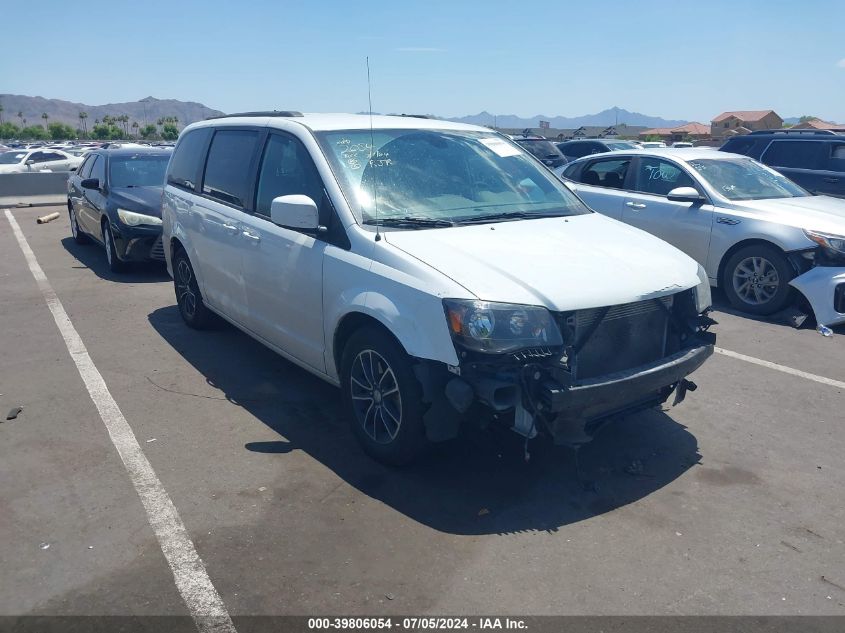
[(820, 213), (15, 168), (579, 262), (145, 200)]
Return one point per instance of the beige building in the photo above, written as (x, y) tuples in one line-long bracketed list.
[(743, 122)]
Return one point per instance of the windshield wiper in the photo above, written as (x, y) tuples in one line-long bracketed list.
[(510, 215), (412, 223)]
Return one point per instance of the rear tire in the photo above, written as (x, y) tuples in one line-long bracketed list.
[(188, 296), (383, 398), (78, 236), (756, 279), (115, 264)]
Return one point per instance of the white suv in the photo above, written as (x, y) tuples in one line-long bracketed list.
[(423, 267)]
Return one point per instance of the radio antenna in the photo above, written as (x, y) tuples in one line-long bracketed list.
[(372, 150)]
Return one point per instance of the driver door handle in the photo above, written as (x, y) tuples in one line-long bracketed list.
[(251, 236), (831, 179), (231, 228), (636, 205)]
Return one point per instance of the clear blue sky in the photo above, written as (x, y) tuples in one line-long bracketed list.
[(676, 59)]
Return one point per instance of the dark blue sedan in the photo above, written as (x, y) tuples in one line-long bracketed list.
[(114, 199)]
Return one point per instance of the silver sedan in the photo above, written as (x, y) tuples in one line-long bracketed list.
[(756, 233)]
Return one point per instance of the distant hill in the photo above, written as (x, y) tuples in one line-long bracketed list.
[(610, 116), (147, 110)]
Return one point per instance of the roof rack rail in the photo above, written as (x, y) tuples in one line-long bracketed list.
[(279, 113), (419, 116), (808, 131)]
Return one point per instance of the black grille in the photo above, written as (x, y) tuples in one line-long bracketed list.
[(628, 336), (157, 250)]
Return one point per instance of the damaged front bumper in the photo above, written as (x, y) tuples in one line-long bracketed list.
[(579, 408), (824, 289), (614, 360)]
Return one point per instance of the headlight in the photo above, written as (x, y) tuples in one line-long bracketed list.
[(832, 243), (498, 328), (130, 218), (703, 297)]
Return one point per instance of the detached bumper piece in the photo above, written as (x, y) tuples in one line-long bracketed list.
[(824, 288)]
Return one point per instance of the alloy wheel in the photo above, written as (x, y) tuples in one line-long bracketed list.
[(756, 280), (376, 399), (184, 293)]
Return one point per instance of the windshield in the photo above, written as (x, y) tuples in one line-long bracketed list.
[(540, 148), (11, 158), (746, 179), (620, 145), (138, 170), (445, 176)]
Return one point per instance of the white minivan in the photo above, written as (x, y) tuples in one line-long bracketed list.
[(433, 271)]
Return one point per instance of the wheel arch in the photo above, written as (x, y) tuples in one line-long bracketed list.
[(350, 323), (742, 244)]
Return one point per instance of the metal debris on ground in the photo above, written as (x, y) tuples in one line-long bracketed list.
[(824, 330), (389, 596), (13, 413), (44, 546)]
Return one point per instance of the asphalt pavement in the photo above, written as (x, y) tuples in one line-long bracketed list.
[(731, 503)]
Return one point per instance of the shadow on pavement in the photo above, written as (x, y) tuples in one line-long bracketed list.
[(477, 484), (93, 257)]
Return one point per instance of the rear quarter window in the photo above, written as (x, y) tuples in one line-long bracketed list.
[(795, 154), (188, 158)]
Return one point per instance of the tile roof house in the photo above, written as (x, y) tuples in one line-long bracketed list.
[(743, 121), (818, 124), (696, 131)]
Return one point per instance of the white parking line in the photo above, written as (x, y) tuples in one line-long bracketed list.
[(782, 368), (192, 581)]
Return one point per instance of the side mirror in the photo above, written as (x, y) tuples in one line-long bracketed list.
[(30, 162), (684, 194), (90, 183), (295, 212)]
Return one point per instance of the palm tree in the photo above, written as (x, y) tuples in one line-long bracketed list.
[(20, 116), (125, 119), (1, 113), (82, 117), (135, 128), (176, 122), (45, 116)]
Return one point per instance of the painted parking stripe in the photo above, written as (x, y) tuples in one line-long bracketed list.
[(189, 573), (782, 368)]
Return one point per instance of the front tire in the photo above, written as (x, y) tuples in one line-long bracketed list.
[(383, 398), (188, 296), (114, 262), (756, 279)]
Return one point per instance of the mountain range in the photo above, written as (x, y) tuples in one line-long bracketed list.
[(147, 110), (611, 116)]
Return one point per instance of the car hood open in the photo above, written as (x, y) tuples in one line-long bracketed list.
[(572, 263), (819, 213)]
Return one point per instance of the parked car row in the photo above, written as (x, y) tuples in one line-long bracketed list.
[(429, 269), (27, 160)]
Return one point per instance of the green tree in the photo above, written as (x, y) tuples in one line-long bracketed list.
[(1, 113), (82, 120), (45, 116), (60, 131), (806, 118), (34, 132), (135, 128), (169, 132), (20, 116), (149, 131), (9, 130)]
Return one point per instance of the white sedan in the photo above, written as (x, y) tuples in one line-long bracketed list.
[(19, 161)]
